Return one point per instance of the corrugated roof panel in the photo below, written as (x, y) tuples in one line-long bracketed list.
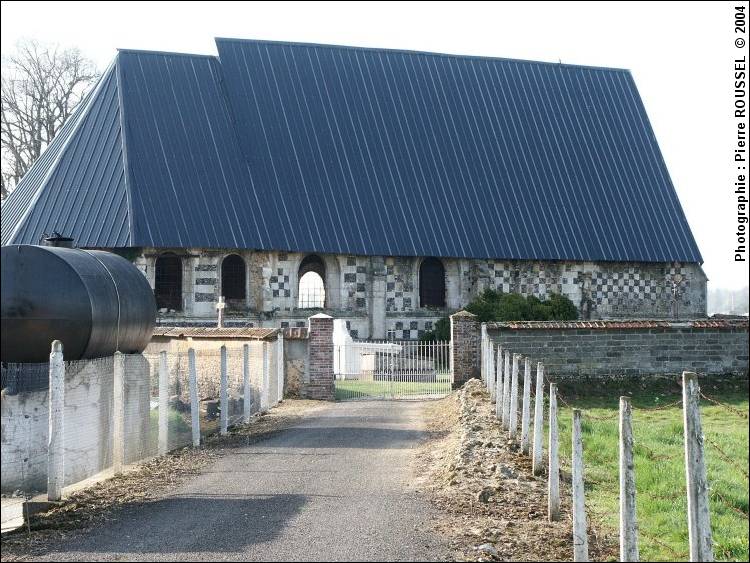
[(359, 151), (190, 183), (16, 204), (83, 192), (422, 154)]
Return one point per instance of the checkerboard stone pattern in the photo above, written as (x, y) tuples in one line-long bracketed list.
[(279, 283), (527, 278), (399, 288), (409, 329), (355, 280)]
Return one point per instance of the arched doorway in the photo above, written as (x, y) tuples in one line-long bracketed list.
[(431, 283), (168, 282), (311, 291), (233, 278)]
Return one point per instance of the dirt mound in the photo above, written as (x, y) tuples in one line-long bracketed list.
[(495, 509)]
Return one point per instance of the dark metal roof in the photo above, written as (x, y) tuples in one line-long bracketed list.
[(360, 151), (722, 324)]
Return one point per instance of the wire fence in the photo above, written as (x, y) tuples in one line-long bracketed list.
[(67, 422), (711, 480)]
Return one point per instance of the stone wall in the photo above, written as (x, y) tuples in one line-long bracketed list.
[(379, 296), (628, 348)]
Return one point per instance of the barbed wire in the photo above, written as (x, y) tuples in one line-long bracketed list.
[(657, 541), (660, 407), (585, 411), (655, 456), (725, 406), (725, 456), (728, 504)]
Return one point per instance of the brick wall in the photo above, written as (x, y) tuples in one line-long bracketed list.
[(320, 358), (464, 347), (629, 348)]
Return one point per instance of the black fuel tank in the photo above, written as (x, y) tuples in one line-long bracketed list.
[(94, 302)]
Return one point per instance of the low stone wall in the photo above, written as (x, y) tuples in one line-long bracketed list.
[(87, 424), (630, 348)]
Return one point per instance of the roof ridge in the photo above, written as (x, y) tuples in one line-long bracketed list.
[(166, 53), (417, 52)]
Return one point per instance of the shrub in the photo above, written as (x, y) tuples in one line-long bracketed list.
[(493, 305)]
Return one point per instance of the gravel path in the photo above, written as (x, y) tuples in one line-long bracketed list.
[(336, 487)]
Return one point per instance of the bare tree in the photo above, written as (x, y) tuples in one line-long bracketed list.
[(41, 86)]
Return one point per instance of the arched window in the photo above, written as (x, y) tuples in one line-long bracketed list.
[(168, 282), (233, 278), (312, 290), (431, 283)]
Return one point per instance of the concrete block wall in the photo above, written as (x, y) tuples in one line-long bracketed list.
[(629, 348), (88, 424)]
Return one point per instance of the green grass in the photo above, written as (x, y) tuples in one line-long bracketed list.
[(659, 464), (354, 389)]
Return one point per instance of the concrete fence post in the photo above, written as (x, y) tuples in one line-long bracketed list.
[(537, 463), (628, 525), (118, 408), (247, 398), (265, 394), (223, 397), (513, 421), (499, 383), (553, 472), (163, 404), (491, 372), (580, 536), (506, 390), (56, 438), (699, 515), (195, 420), (483, 353), (525, 408), (280, 364)]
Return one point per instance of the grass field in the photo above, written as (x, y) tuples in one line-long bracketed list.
[(363, 389), (660, 467)]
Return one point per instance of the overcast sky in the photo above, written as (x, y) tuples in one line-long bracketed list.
[(681, 55)]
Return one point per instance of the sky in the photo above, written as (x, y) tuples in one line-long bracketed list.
[(681, 56)]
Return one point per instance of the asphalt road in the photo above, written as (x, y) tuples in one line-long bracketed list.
[(334, 488)]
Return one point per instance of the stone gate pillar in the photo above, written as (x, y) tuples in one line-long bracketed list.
[(320, 358), (464, 347)]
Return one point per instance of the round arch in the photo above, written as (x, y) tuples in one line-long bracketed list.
[(311, 280), (431, 283), (168, 281), (233, 278)]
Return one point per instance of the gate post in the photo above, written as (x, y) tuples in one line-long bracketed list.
[(320, 358), (465, 350)]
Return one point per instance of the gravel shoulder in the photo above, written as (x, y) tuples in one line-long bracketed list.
[(493, 508)]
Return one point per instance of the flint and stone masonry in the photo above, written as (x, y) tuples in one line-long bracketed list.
[(464, 347), (380, 296)]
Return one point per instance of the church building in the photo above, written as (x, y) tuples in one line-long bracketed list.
[(384, 187)]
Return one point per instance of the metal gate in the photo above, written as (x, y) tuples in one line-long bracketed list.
[(403, 369)]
